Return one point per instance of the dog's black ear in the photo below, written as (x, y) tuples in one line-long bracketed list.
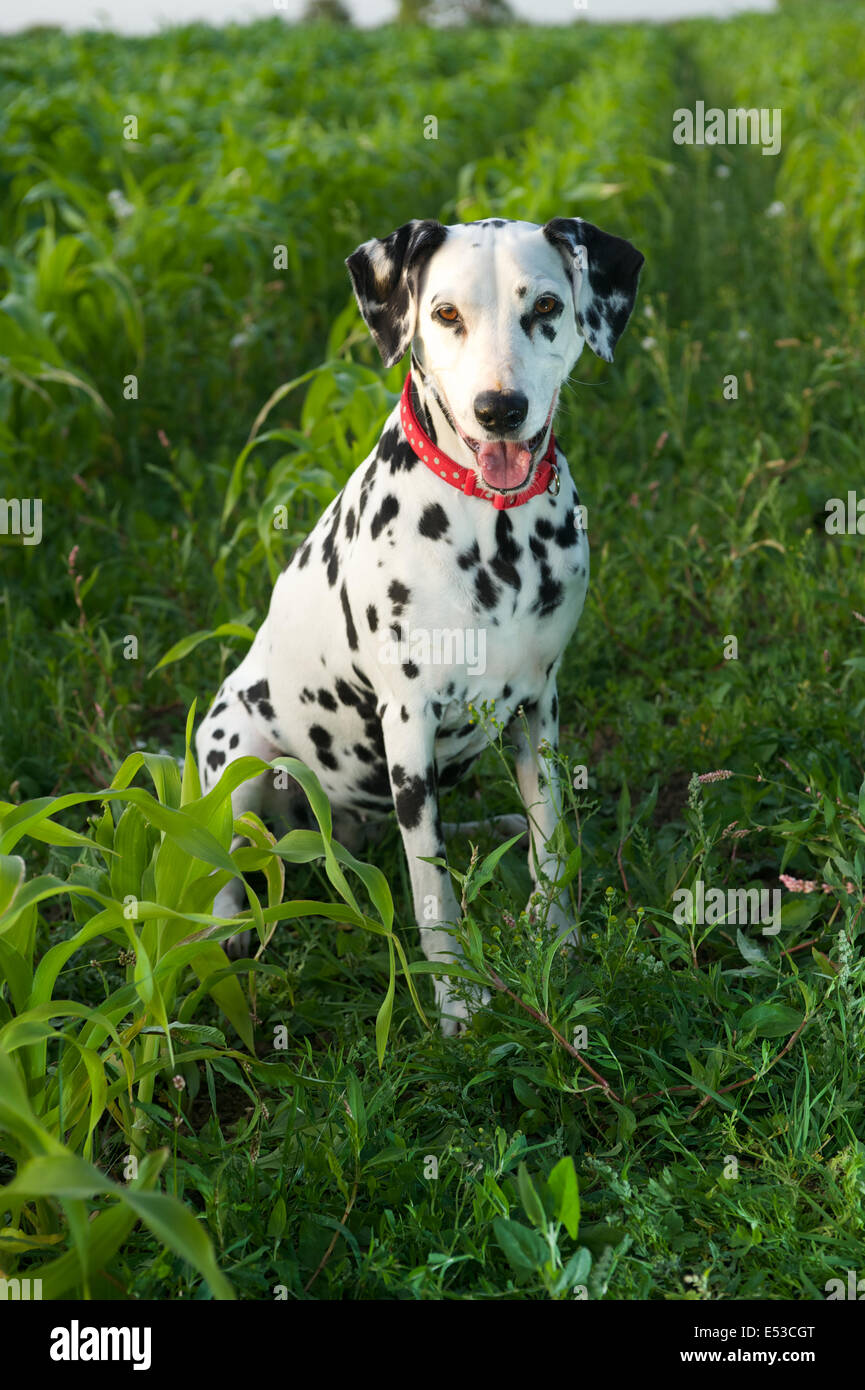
[(604, 271), (385, 275)]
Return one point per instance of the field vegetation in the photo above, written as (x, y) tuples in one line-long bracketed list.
[(673, 1111)]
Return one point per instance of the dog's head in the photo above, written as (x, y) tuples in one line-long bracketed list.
[(496, 314)]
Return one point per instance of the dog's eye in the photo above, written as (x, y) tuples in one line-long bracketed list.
[(447, 313), (546, 304)]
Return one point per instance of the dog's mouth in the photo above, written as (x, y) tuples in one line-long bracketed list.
[(507, 464)]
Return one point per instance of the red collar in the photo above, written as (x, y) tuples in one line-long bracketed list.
[(546, 474)]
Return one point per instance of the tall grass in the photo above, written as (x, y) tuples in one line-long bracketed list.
[(173, 1123)]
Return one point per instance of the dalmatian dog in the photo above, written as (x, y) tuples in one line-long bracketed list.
[(451, 569)]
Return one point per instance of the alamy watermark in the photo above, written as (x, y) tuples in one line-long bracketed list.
[(739, 906), (735, 126), (20, 1289), (438, 646), (845, 516), (21, 516)]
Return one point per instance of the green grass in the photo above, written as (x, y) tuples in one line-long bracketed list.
[(708, 1140)]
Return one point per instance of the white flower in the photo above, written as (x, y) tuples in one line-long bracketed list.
[(722, 171), (776, 209), (120, 204), (743, 335), (649, 343), (648, 311)]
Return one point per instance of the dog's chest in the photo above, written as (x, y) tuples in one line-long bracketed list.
[(408, 591)]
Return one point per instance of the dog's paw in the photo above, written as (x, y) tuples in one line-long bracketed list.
[(240, 945), (511, 825)]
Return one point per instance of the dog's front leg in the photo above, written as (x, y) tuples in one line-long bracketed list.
[(538, 779), (409, 739)]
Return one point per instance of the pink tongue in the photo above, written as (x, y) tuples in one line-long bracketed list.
[(504, 464)]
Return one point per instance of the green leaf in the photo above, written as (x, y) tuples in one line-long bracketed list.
[(623, 812), (192, 640), (526, 1250), (532, 1204), (486, 868), (69, 1178), (770, 1020), (12, 874), (565, 1188), (385, 1013), (576, 1271), (277, 1222)]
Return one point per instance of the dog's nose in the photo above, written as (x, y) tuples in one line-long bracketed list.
[(501, 410)]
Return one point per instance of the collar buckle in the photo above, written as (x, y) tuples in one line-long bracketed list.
[(554, 484)]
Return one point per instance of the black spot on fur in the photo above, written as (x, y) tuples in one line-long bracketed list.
[(377, 783), (409, 669), (234, 740), (566, 534), (385, 514), (218, 733), (470, 557), (454, 772), (366, 486), (215, 758), (549, 593), (387, 443), (372, 617), (412, 796), (350, 629), (217, 709), (345, 693), (323, 741), (423, 415), (326, 700), (395, 450), (504, 562), (398, 595), (487, 592), (434, 521)]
